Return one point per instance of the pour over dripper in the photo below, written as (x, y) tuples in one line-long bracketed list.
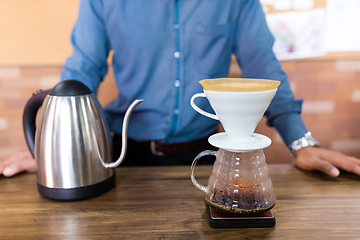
[(239, 113)]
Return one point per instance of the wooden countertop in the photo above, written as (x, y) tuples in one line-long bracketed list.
[(162, 203)]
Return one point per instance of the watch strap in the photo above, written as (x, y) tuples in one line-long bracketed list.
[(306, 141)]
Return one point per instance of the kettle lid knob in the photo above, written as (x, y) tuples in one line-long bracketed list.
[(70, 88)]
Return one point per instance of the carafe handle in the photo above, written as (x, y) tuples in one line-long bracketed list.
[(199, 110), (200, 155)]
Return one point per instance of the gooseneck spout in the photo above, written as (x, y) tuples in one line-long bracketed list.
[(124, 135)]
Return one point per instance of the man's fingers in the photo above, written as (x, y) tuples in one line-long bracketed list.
[(309, 159), (11, 159), (17, 162), (27, 164), (326, 161), (326, 167), (346, 163)]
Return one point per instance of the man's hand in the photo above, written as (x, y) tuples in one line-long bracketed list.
[(326, 161), (18, 162)]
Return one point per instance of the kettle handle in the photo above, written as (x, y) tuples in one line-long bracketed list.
[(200, 155), (29, 118)]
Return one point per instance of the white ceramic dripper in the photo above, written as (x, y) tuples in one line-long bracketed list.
[(239, 113)]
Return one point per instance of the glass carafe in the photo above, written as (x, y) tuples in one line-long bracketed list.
[(239, 182)]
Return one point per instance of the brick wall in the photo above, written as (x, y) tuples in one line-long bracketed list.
[(330, 88)]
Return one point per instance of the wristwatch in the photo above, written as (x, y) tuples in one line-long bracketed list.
[(306, 141)]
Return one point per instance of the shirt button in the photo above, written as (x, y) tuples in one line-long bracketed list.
[(177, 54), (177, 83), (176, 26), (176, 111)]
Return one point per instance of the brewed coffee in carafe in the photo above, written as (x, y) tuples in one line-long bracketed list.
[(239, 182)]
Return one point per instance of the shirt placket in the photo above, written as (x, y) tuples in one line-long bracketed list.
[(177, 82)]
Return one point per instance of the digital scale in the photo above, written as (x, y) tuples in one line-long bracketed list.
[(227, 220)]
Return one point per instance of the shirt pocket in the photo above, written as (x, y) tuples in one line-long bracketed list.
[(213, 47)]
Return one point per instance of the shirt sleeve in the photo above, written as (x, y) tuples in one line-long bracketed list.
[(90, 46), (253, 50)]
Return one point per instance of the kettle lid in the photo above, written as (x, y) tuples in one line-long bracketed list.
[(70, 88)]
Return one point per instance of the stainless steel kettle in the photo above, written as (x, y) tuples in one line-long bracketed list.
[(71, 142)]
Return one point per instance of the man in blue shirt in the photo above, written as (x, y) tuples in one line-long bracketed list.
[(161, 50)]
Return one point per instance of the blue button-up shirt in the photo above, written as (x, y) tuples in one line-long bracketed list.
[(162, 49)]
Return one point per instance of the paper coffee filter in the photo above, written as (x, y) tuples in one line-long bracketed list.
[(239, 84)]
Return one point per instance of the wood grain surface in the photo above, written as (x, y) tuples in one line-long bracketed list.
[(162, 203)]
